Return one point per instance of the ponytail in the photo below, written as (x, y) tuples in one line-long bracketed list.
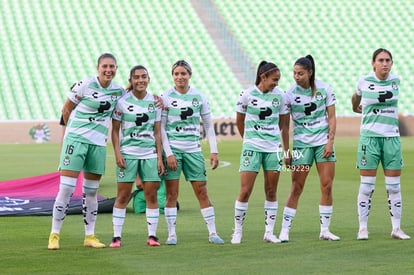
[(265, 68), (308, 64)]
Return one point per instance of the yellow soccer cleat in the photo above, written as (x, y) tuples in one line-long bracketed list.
[(92, 241), (53, 241)]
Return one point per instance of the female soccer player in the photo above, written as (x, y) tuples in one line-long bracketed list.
[(312, 108), (261, 111), (87, 114), (180, 128), (139, 151), (377, 99)]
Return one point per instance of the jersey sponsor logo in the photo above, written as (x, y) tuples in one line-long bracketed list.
[(309, 108), (265, 112), (297, 99), (186, 112), (371, 87), (309, 124), (254, 102), (258, 127), (187, 129), (104, 106), (141, 118), (385, 111), (384, 95)]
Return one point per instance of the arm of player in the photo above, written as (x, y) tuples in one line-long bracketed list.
[(120, 161), (356, 103)]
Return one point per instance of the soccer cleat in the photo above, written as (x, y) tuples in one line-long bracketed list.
[(153, 241), (116, 242), (362, 234), (284, 236), (399, 234), (215, 239), (92, 241), (270, 238), (236, 237), (53, 241), (328, 236), (172, 240)]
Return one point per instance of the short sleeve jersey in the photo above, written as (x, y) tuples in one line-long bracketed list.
[(183, 114), (137, 117), (379, 100), (309, 115), (89, 121), (261, 122)]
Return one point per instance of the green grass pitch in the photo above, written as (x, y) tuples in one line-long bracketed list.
[(24, 239)]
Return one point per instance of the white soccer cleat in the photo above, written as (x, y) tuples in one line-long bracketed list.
[(236, 237), (270, 238), (399, 234), (284, 236), (328, 236), (362, 234)]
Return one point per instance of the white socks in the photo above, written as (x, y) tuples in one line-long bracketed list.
[(61, 205), (325, 213), (392, 184), (90, 205), (210, 219), (240, 209), (152, 220), (366, 189), (118, 218), (270, 210), (170, 214)]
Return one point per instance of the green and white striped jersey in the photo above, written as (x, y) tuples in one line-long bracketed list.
[(379, 105), (137, 117), (183, 113), (262, 110), (89, 120), (309, 115)]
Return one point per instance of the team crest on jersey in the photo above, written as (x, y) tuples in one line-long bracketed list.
[(275, 102), (394, 85), (121, 173), (151, 108), (363, 161), (114, 97), (318, 96), (246, 161), (195, 102), (66, 161)]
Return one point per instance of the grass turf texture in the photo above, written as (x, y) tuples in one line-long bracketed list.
[(24, 239)]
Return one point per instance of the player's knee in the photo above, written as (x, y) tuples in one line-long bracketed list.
[(392, 184), (90, 187), (366, 189)]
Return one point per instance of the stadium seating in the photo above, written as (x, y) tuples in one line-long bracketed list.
[(340, 35), (47, 45)]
